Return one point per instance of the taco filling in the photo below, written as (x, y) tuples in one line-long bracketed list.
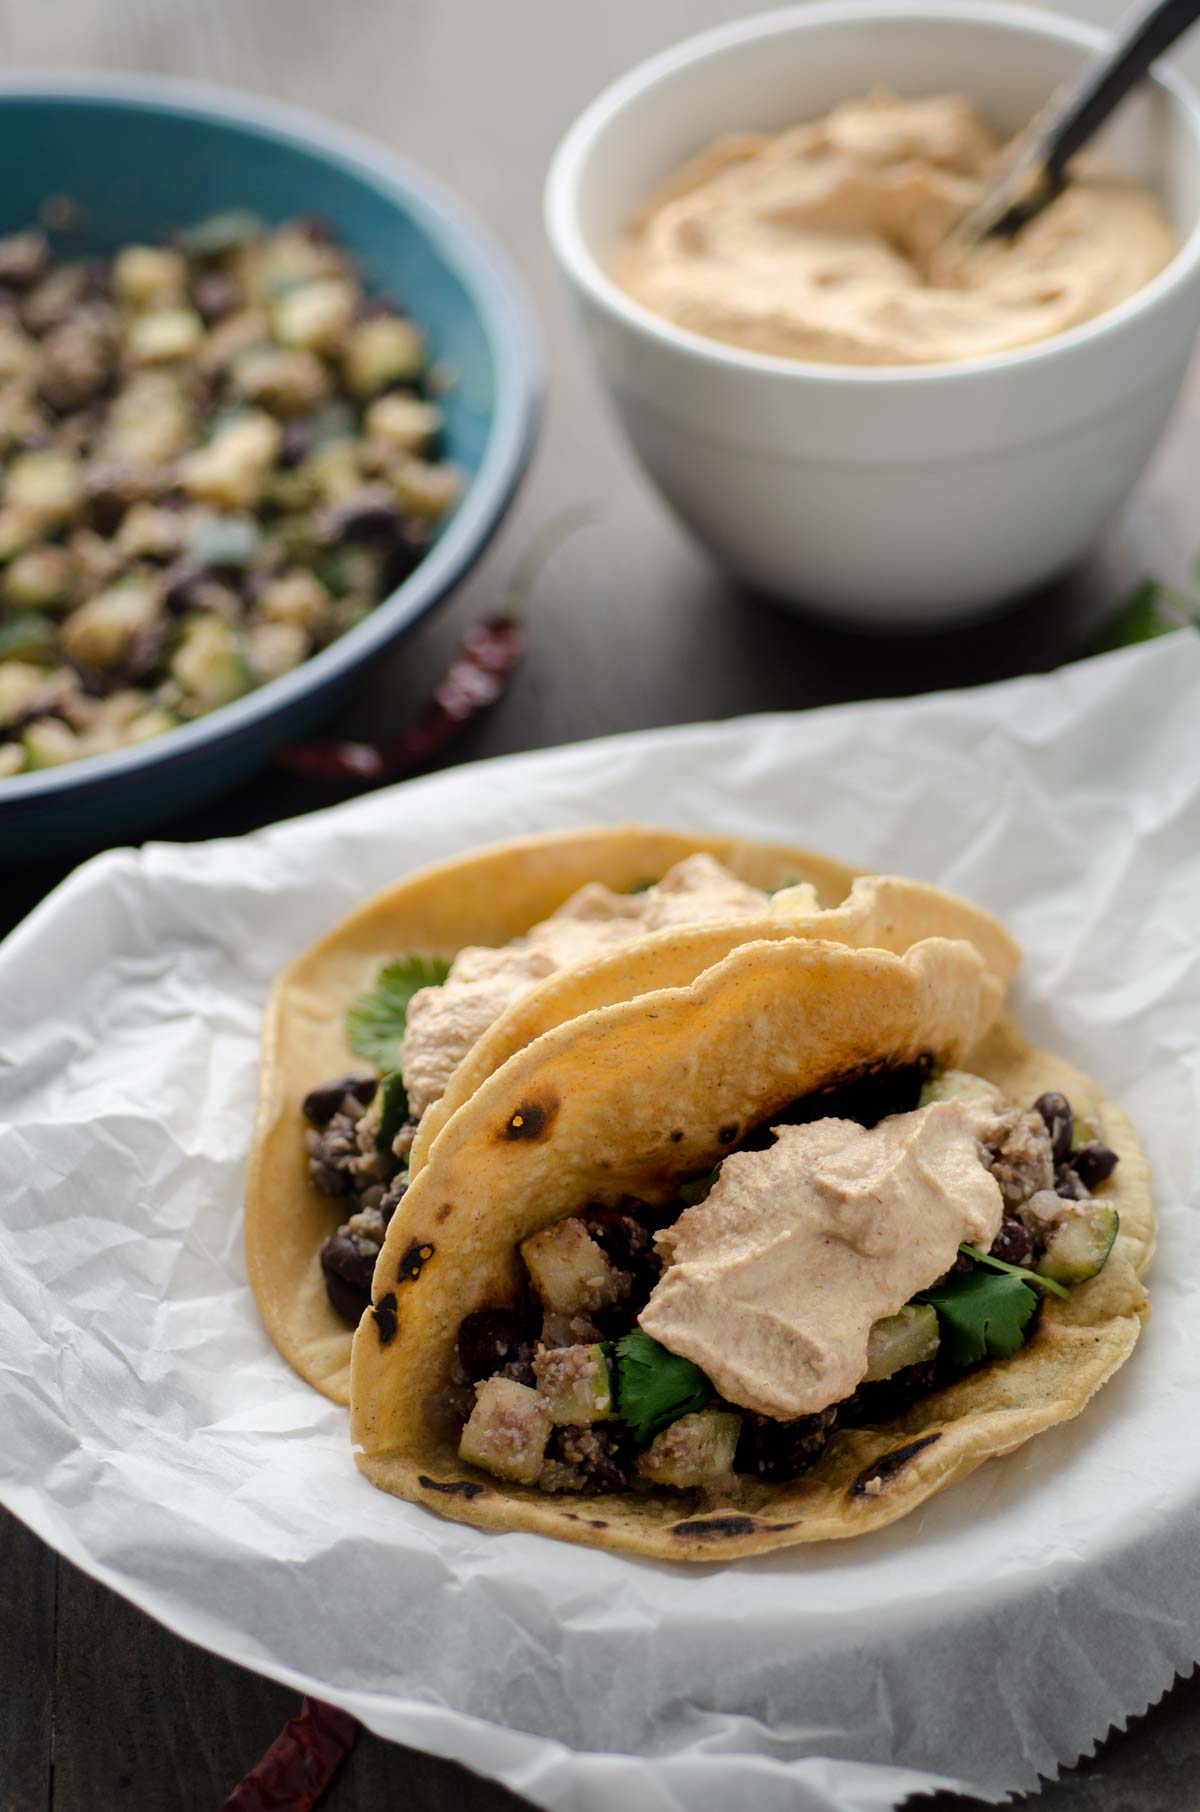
[(861, 1251), (423, 1017)]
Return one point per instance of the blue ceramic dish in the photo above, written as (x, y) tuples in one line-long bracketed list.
[(143, 157)]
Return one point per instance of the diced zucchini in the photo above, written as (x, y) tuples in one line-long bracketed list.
[(959, 1085), (12, 759), (386, 349), (507, 1431), (404, 422), (20, 685), (39, 577), (274, 649), (426, 491), (232, 468), (162, 336), (46, 484), (575, 1383), (146, 275), (48, 743), (696, 1450), (29, 637), (569, 1270), (209, 663), (1079, 1246), (902, 1340), (101, 632), (315, 316)]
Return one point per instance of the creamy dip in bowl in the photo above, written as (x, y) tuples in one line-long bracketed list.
[(828, 241), (897, 490)]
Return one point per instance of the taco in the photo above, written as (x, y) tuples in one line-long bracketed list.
[(514, 940), (764, 1259)]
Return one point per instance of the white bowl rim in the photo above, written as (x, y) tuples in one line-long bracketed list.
[(511, 326), (570, 157)]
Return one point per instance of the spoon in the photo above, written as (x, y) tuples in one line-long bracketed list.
[(1034, 170)]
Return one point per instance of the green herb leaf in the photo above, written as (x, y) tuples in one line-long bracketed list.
[(1153, 609), (393, 1108), (375, 1023), (783, 885), (643, 886), (981, 1314), (1030, 1277), (655, 1387)]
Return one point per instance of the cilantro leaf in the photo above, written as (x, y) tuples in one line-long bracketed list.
[(643, 886), (375, 1023), (981, 1314), (1154, 609), (655, 1387), (1030, 1277), (393, 1108)]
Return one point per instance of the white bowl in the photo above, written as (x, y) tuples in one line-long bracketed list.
[(897, 496)]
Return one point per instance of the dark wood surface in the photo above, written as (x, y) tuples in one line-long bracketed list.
[(629, 627)]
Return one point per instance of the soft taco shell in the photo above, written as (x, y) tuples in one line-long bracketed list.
[(643, 1092), (488, 897), (881, 912)]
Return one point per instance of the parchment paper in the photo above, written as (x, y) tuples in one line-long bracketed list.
[(148, 1430)]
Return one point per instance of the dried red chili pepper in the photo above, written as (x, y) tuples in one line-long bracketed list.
[(488, 656), (299, 1765)]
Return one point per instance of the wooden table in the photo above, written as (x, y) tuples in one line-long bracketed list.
[(629, 626)]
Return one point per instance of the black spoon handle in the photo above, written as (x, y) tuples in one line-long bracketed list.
[(1084, 106)]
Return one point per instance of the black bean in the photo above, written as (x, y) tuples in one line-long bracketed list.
[(392, 1199), (1067, 1185), (1094, 1162), (489, 1339), (214, 296), (781, 1450), (346, 1298), (1055, 1110), (297, 439), (371, 513), (322, 1103), (348, 1271), (619, 1233), (1013, 1243)]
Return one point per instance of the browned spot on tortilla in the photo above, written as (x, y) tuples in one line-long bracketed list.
[(444, 1211), (716, 1525), (885, 1469), (676, 1137), (597, 1522), (452, 1487), (384, 1312), (727, 1135), (531, 1120), (414, 1261)]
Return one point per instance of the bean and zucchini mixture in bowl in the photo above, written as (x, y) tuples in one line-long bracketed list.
[(218, 454)]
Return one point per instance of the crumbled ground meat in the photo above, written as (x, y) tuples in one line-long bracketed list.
[(345, 1162), (585, 1459), (567, 1330), (1019, 1154)]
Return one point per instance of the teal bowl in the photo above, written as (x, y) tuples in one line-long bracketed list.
[(143, 156)]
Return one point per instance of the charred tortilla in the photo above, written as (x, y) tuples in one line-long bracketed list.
[(634, 1096)]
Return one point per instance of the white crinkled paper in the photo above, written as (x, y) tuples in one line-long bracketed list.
[(150, 1433)]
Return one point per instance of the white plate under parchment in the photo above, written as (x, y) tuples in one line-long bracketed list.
[(150, 1433)]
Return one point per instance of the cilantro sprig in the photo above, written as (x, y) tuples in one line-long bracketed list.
[(375, 1023), (981, 1314), (655, 1387)]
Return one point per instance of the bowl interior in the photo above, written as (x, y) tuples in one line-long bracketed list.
[(789, 67), (137, 169)]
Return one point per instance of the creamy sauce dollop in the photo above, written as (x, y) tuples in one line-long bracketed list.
[(443, 1023), (825, 242), (774, 1280)]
